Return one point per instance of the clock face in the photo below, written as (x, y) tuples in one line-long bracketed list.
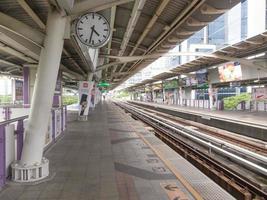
[(93, 30)]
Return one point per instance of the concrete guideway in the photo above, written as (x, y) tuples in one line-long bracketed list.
[(244, 123), (185, 141)]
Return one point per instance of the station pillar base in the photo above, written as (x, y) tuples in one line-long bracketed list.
[(32, 173), (82, 118)]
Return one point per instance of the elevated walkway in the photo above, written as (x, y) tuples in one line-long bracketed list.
[(113, 156)]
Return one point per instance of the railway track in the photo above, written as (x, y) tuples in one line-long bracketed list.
[(235, 183), (242, 141)]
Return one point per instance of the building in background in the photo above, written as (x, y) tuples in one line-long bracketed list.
[(235, 25)]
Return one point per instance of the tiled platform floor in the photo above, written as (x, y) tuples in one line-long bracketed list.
[(104, 159)]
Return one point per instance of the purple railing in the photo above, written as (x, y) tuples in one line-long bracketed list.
[(19, 137)]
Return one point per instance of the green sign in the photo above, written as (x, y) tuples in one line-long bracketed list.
[(203, 86), (172, 84), (103, 84)]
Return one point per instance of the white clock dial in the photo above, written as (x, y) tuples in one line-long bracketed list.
[(93, 30)]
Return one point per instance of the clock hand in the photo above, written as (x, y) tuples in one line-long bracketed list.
[(96, 32), (92, 30)]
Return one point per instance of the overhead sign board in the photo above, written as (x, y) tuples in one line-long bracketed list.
[(230, 72)]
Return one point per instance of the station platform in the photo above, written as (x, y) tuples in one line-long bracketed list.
[(112, 156), (252, 124)]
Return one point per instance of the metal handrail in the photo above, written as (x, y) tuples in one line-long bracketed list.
[(13, 120), (22, 118)]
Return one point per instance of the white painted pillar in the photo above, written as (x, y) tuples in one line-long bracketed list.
[(180, 96), (44, 90), (90, 77), (163, 91), (32, 78), (212, 97), (237, 91)]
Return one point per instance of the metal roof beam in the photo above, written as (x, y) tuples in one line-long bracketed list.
[(194, 5), (19, 43), (16, 53), (184, 32), (137, 9), (94, 6), (194, 22), (38, 21), (253, 42), (25, 32), (112, 22), (21, 29), (167, 46), (9, 63), (237, 47), (209, 10), (31, 13), (130, 44), (150, 24), (73, 61)]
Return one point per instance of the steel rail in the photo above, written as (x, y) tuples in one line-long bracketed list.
[(188, 134), (221, 170), (254, 144), (222, 144)]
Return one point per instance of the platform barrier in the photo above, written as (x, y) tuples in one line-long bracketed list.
[(253, 106), (12, 138)]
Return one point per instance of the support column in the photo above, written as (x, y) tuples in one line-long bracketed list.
[(29, 76), (57, 98), (212, 97), (237, 91), (90, 77), (180, 96), (163, 91), (151, 92), (92, 92), (26, 86), (32, 154)]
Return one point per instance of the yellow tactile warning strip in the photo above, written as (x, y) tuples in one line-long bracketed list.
[(173, 192), (189, 187)]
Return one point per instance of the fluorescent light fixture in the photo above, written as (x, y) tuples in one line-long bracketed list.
[(256, 56)]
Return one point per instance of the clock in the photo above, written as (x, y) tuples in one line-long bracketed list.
[(93, 30)]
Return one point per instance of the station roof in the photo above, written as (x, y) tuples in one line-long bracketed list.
[(245, 48), (140, 27)]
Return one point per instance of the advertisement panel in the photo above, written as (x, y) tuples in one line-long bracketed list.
[(85, 88), (18, 90), (57, 122), (259, 94), (230, 72), (93, 93), (48, 135), (190, 81), (202, 76), (58, 84)]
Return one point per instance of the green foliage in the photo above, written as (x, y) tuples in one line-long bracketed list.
[(4, 99), (231, 103), (68, 100), (122, 94)]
